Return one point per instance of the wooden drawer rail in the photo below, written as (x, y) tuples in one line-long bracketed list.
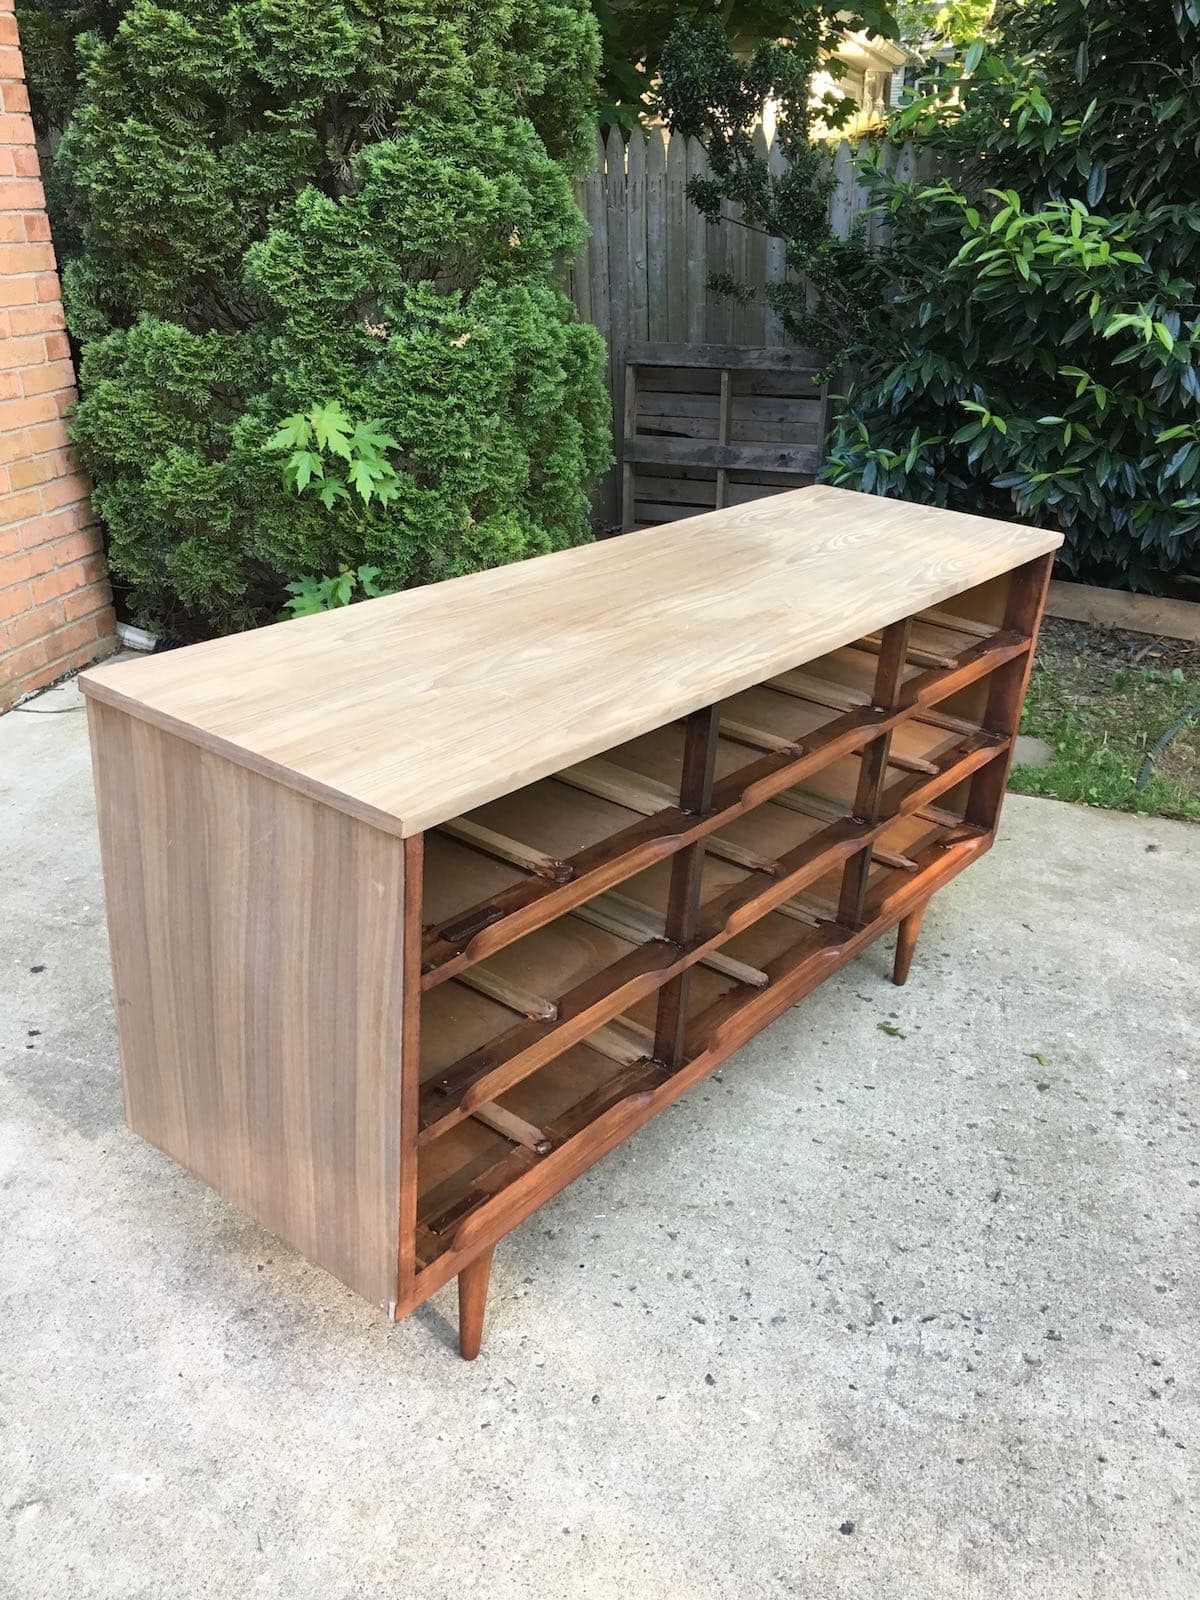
[(693, 932), (479, 931), (496, 1199)]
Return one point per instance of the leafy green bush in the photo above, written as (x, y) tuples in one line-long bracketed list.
[(927, 25), (364, 201), (1040, 351), (633, 32), (710, 92), (1025, 343)]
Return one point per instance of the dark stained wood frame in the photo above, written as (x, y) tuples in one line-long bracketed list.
[(459, 1238), (683, 904), (889, 676)]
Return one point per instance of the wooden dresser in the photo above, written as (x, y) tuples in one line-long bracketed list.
[(419, 907)]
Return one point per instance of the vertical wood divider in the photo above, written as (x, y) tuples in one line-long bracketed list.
[(687, 868), (629, 428), (1006, 691), (410, 1064), (723, 431), (889, 674)]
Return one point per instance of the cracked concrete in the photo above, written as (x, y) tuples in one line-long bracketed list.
[(886, 1312)]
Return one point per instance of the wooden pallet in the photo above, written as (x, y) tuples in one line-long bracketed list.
[(709, 426)]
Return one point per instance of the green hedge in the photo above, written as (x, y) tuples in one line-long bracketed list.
[(1026, 340), (288, 204), (1039, 350)]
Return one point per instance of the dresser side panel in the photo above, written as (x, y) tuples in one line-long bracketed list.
[(257, 951)]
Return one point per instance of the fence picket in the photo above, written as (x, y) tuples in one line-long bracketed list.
[(697, 257), (599, 278), (751, 322), (841, 202), (616, 205), (597, 249), (723, 255), (656, 237), (635, 212), (616, 208), (677, 211), (775, 270)]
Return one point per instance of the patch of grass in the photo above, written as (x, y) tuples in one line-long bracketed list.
[(1101, 700)]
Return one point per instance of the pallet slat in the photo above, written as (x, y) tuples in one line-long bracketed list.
[(744, 358), (800, 459)]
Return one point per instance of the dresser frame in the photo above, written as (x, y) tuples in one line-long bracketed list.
[(392, 1048)]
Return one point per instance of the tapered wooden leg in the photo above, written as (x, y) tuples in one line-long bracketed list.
[(472, 1303), (906, 942)]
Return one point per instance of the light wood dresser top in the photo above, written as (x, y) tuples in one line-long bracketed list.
[(416, 707)]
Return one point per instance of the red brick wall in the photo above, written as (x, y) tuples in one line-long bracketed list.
[(55, 603)]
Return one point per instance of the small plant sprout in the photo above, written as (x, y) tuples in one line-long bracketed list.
[(335, 459), (310, 595), (344, 465)]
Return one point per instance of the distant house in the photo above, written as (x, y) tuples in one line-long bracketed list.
[(873, 76)]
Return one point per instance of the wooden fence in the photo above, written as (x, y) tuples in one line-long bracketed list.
[(643, 275)]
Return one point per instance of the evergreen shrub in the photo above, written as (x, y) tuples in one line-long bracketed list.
[(365, 202)]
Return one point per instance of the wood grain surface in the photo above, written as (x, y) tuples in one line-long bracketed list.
[(257, 960), (409, 710)]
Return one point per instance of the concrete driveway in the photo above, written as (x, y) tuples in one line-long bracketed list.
[(890, 1315)]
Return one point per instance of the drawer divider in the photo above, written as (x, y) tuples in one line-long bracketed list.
[(701, 733), (889, 676)]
